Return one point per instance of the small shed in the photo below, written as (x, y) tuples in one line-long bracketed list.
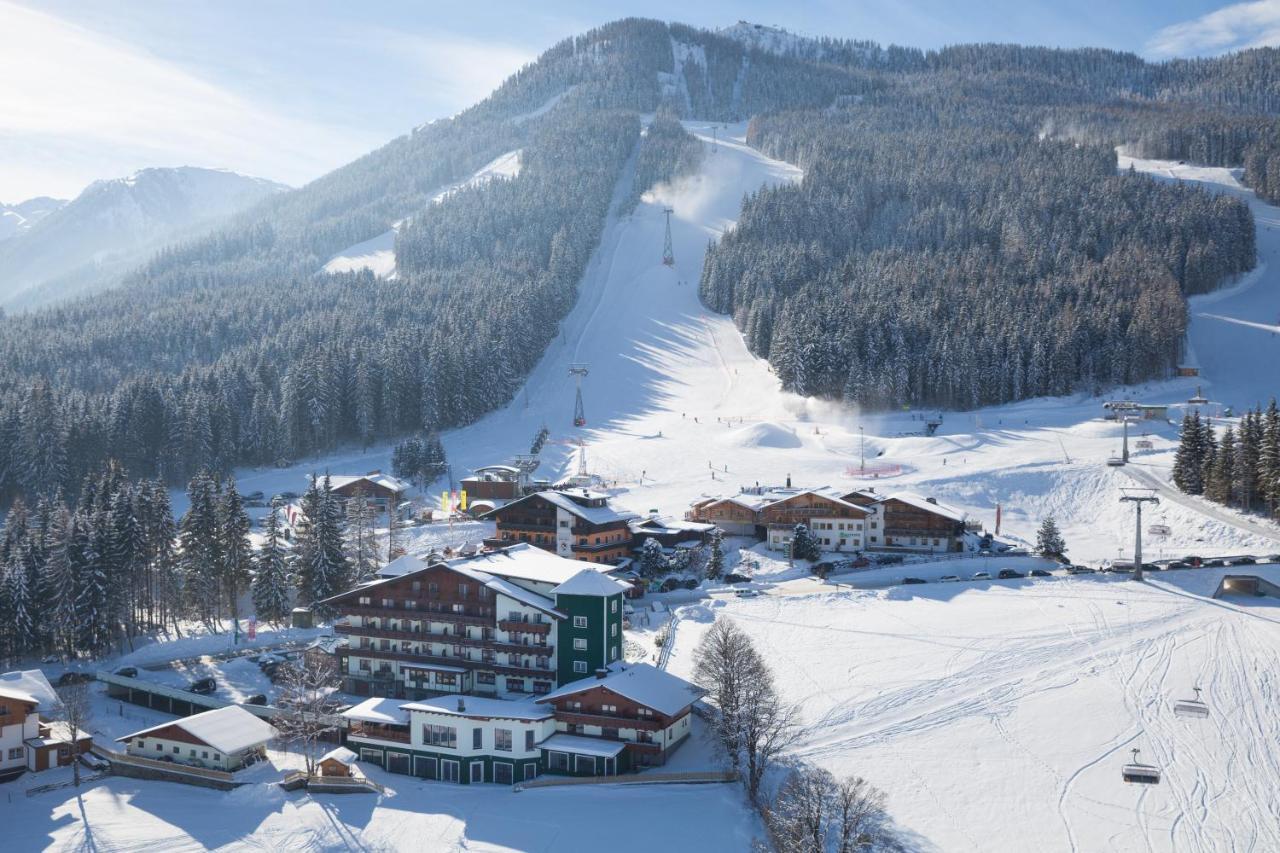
[(338, 762), (302, 617)]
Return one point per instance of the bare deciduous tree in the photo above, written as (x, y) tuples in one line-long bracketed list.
[(306, 709), (815, 813), (76, 713)]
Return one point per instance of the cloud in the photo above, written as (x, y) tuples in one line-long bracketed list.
[(459, 69), (67, 93), (1236, 27)]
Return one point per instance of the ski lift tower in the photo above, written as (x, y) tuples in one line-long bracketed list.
[(668, 255), (577, 371), (1138, 497)]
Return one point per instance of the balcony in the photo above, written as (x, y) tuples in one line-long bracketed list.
[(484, 616), (613, 721), (464, 663), (448, 639), (377, 732), (520, 626)]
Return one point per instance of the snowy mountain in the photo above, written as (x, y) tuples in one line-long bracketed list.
[(60, 249), (768, 39), (18, 219)]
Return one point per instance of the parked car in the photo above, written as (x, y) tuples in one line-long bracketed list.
[(256, 699), (1009, 574), (1273, 558), (1214, 563), (863, 562), (669, 584), (1192, 560), (736, 578), (689, 583), (1177, 564), (747, 593), (914, 580), (1040, 573), (74, 677), (980, 576), (203, 686), (1242, 560), (889, 559), (128, 671), (1080, 570), (254, 496), (949, 578), (1017, 552)]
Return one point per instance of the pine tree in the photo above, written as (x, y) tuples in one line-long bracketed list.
[(58, 582), (361, 539), (1220, 486), (1049, 542), (715, 558), (653, 562), (271, 579), (1269, 458), (1188, 461), (93, 629), (323, 564), (233, 547), (803, 545), (200, 554)]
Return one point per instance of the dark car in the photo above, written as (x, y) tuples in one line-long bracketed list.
[(669, 584), (736, 578), (1192, 560), (1080, 570), (1009, 574), (1242, 560), (1041, 573), (1273, 558), (203, 686), (889, 559), (689, 583), (128, 671), (914, 580), (1214, 563), (74, 677), (1177, 564), (256, 699)]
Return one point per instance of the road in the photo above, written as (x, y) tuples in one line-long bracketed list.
[(1149, 479)]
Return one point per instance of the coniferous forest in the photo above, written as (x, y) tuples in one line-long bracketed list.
[(960, 238), (1238, 467)]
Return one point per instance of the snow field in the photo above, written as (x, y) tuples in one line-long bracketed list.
[(997, 716)]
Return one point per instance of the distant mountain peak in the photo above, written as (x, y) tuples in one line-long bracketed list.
[(766, 37)]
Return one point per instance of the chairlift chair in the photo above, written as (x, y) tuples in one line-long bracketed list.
[(1191, 707), (1115, 461), (1140, 774)]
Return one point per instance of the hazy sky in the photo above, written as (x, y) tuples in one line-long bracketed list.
[(289, 89)]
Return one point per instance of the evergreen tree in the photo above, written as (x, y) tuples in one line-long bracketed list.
[(1269, 458), (58, 582), (1220, 486), (200, 552), (715, 557), (361, 538), (233, 547), (323, 566), (803, 545), (92, 622), (653, 562), (1049, 541), (1188, 461), (271, 578)]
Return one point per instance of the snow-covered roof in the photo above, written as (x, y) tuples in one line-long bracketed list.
[(386, 481), (506, 469), (229, 730), (583, 745), (591, 582), (523, 562), (593, 514), (920, 502), (29, 685), (757, 499), (59, 734), (479, 706), (640, 682), (342, 755), (402, 565), (654, 524), (378, 710)]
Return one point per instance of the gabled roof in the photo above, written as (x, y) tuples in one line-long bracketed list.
[(379, 710), (228, 730), (480, 706), (402, 565), (591, 582), (29, 685), (342, 755), (591, 514), (640, 682), (920, 502), (386, 481)]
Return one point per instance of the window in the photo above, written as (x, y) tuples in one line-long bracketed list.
[(159, 748), (204, 753), (477, 738), (217, 757), (446, 678), (483, 593), (433, 588), (175, 750), (463, 590), (608, 709), (579, 666), (613, 653), (364, 599), (613, 606), (644, 712), (15, 753), (564, 523), (613, 630), (609, 732), (485, 677), (416, 586), (579, 621), (575, 706), (502, 740), (191, 753), (579, 643), (528, 740), (388, 602), (442, 736)]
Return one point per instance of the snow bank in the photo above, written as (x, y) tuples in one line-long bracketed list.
[(765, 434)]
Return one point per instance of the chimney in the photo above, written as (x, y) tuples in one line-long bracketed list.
[(462, 705), (932, 500), (601, 673), (788, 481)]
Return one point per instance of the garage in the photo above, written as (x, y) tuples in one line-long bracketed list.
[(373, 756), (398, 762), (424, 768), (502, 773)]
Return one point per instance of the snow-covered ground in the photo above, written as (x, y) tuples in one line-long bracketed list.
[(378, 254), (130, 814), (997, 716)]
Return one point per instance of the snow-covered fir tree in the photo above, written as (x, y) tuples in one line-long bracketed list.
[(271, 582), (1049, 541), (653, 562)]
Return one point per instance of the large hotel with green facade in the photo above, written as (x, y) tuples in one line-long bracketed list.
[(499, 667)]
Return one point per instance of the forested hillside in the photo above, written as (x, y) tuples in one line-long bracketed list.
[(959, 211)]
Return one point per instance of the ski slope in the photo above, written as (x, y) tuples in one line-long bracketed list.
[(997, 716), (378, 254)]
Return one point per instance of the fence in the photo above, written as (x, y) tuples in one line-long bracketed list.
[(123, 764), (296, 780), (689, 777)]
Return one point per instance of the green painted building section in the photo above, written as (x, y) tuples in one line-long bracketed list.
[(590, 637), (492, 769)]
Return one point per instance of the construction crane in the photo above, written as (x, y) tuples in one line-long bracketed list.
[(578, 371), (668, 255)]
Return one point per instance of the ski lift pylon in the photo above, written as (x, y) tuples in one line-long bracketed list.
[(1191, 707), (1138, 773)]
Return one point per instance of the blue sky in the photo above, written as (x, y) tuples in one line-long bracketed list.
[(290, 89)]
